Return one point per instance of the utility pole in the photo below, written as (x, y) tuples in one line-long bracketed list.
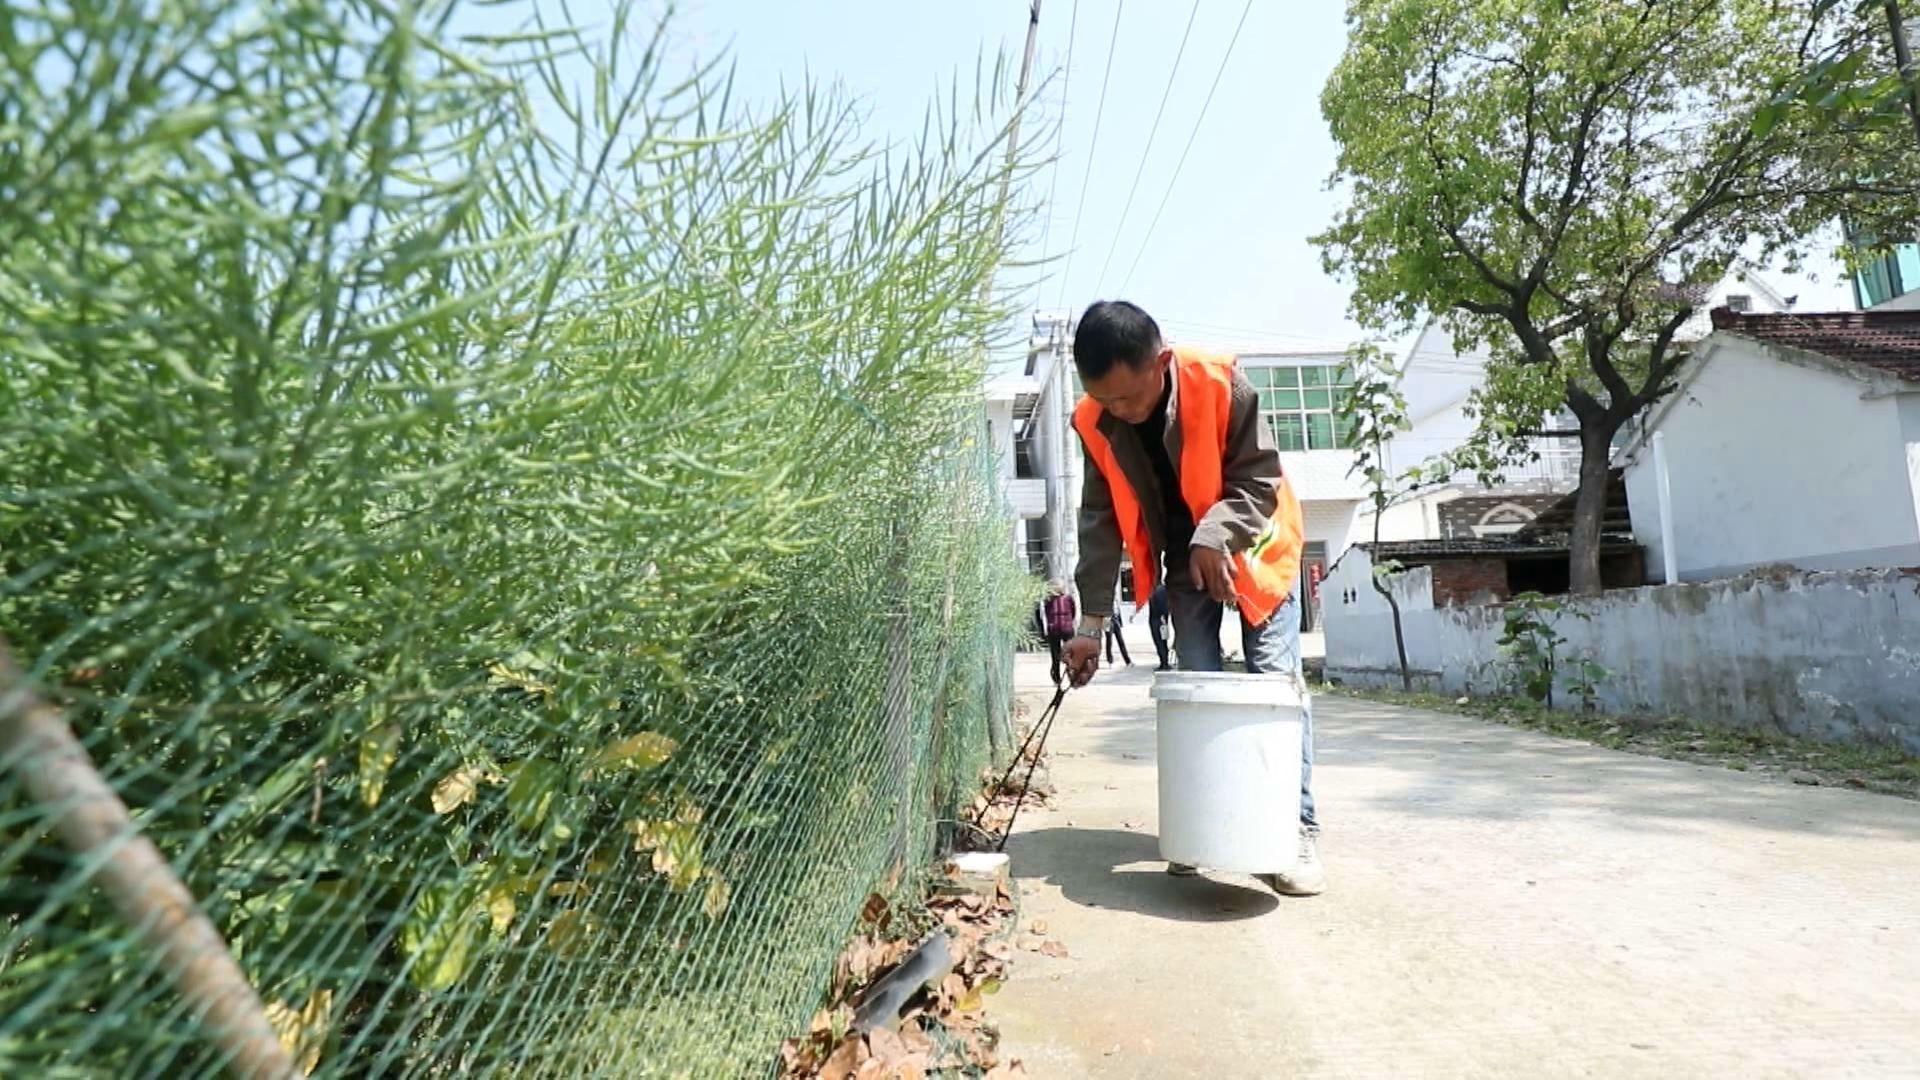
[(1019, 111), (1903, 56)]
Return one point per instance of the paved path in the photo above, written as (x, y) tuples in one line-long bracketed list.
[(1503, 904)]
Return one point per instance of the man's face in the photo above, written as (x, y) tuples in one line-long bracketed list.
[(1130, 392)]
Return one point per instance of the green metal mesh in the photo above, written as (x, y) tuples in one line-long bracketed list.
[(515, 527)]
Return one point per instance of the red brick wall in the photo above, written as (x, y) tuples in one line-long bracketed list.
[(1465, 581)]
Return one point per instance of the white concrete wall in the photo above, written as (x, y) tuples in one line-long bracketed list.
[(1831, 656), (1773, 462), (1909, 406), (1349, 589)]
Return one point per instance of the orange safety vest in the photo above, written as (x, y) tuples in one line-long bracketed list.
[(1265, 574)]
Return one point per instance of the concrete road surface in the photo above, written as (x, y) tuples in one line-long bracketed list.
[(1503, 904)]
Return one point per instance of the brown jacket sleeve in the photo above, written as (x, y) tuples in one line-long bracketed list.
[(1100, 546), (1250, 477)]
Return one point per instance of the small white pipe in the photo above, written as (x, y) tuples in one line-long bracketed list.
[(1668, 557)]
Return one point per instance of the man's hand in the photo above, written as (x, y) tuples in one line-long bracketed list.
[(1083, 659), (1212, 572)]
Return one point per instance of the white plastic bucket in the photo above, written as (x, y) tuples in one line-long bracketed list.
[(1229, 769)]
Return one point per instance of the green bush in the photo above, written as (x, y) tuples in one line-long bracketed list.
[(513, 524)]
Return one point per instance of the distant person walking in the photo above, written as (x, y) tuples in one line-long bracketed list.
[(1157, 623), (1114, 636), (1057, 617)]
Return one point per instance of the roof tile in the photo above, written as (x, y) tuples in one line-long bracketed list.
[(1886, 341)]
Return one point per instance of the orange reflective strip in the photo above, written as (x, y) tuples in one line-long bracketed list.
[(1127, 511), (1264, 576)]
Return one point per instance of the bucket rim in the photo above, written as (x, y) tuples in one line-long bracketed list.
[(1228, 688)]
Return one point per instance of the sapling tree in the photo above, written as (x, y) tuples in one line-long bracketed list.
[(1374, 412)]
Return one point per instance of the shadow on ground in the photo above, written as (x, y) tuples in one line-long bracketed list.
[(1103, 868)]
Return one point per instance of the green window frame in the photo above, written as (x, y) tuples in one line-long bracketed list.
[(1301, 405)]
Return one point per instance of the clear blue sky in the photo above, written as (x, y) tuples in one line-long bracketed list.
[(1229, 259)]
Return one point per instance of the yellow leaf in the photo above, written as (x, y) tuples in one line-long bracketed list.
[(599, 863), (665, 860), (644, 750), (506, 676), (971, 1001), (303, 1033), (646, 834), (379, 749), (458, 789), (500, 906), (719, 895), (567, 888), (570, 931)]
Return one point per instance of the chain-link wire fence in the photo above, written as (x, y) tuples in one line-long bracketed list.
[(513, 526)]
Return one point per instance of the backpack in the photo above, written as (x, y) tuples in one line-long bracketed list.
[(1060, 615)]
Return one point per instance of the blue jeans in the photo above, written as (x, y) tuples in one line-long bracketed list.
[(1270, 649)]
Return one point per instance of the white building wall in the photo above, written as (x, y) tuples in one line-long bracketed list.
[(1331, 522), (1909, 408), (1774, 462)]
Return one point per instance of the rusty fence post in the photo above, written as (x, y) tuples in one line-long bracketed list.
[(92, 822)]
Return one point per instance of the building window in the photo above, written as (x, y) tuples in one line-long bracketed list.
[(1301, 405), (1739, 302)]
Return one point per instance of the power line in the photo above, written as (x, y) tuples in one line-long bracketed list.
[(1087, 176), (1147, 154), (1250, 332), (1066, 80), (1218, 72)]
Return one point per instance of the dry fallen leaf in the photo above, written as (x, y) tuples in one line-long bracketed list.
[(886, 1047), (952, 989), (875, 912), (1054, 949), (845, 1060), (999, 950), (916, 1040), (1039, 926), (1028, 942)]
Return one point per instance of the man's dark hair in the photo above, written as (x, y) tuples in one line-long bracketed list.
[(1114, 332)]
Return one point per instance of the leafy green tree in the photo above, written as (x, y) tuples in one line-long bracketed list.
[(1561, 181)]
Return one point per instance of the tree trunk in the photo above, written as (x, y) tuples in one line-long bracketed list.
[(1386, 593), (1590, 504), (1399, 639)]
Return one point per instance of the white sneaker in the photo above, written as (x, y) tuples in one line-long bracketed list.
[(1306, 877)]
